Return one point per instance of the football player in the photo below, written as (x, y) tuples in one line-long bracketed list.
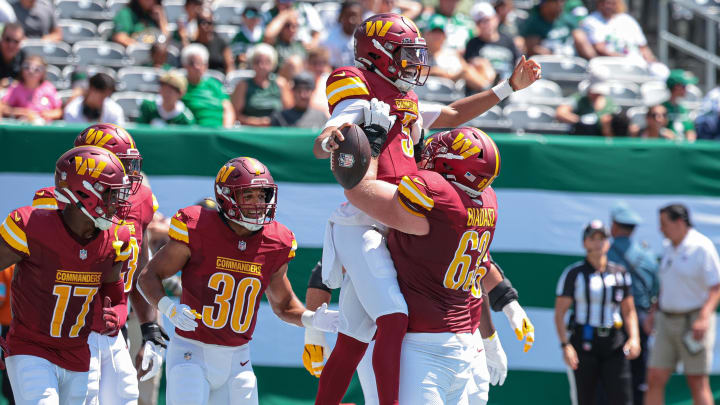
[(112, 373), (229, 257), (65, 262), (442, 221), (391, 59)]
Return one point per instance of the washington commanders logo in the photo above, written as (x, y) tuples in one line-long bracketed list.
[(89, 165), (379, 28), (97, 138)]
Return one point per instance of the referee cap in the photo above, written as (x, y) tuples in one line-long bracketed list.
[(594, 226)]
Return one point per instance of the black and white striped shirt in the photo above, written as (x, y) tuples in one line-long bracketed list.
[(604, 291)]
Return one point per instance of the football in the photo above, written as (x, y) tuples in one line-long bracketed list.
[(351, 160)]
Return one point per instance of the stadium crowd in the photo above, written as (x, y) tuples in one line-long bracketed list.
[(225, 64)]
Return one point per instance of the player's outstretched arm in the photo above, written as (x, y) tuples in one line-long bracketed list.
[(461, 111), (289, 308)]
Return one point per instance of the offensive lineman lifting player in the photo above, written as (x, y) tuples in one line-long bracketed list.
[(391, 59)]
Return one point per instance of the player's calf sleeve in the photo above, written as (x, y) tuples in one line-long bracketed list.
[(386, 356), (339, 369)]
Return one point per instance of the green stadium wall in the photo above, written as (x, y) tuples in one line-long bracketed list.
[(548, 188)]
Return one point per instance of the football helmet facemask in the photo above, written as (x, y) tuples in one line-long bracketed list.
[(118, 141), (465, 156), (94, 180), (390, 45), (238, 185)]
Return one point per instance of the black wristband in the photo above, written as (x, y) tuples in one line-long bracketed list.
[(502, 294), (418, 147), (376, 135), (315, 280), (152, 332), (563, 344)]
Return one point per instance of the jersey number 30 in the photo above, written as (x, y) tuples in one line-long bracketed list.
[(243, 305)]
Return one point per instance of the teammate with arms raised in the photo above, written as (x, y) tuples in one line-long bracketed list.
[(391, 59), (442, 221), (66, 261), (228, 258), (113, 378)]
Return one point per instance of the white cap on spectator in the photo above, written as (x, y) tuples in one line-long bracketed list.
[(481, 11)]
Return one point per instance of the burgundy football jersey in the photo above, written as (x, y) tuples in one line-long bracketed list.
[(226, 275), (397, 155), (439, 272), (53, 292), (143, 205)]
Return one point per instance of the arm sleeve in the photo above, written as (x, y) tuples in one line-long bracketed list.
[(179, 228), (12, 231), (429, 113), (315, 280), (565, 286), (347, 111), (413, 196)]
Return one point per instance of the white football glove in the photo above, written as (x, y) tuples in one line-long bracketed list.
[(152, 355), (322, 319), (180, 315), (496, 359), (378, 113), (316, 351), (520, 323)]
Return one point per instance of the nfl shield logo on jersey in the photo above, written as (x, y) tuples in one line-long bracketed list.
[(242, 245), (83, 254)]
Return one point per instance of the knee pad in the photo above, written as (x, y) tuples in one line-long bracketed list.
[(187, 385), (243, 389)]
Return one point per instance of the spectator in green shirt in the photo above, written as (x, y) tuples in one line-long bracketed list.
[(459, 28), (167, 109), (678, 116), (250, 33), (282, 34), (590, 113), (205, 96), (550, 30), (141, 21)]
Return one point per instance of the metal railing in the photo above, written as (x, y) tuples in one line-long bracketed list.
[(706, 55)]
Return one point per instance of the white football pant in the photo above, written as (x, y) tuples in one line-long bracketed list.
[(370, 288), (113, 378), (479, 385), (435, 368), (36, 381), (204, 374)]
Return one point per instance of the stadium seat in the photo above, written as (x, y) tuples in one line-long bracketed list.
[(139, 55), (625, 94), (91, 70), (234, 77), (100, 53), (226, 32), (54, 53), (567, 72), (438, 89), (87, 10), (55, 76), (637, 115), (105, 30), (655, 92), (144, 79), (693, 97), (491, 121), (535, 118), (542, 92), (113, 6), (77, 30), (65, 96), (228, 13), (130, 102), (174, 10), (620, 68)]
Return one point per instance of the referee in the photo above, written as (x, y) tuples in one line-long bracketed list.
[(595, 345)]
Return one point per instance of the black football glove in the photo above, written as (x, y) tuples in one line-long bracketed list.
[(152, 332), (377, 136)]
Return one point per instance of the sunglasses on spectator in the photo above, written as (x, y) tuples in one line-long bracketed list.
[(11, 40), (291, 25), (658, 115), (33, 68), (205, 22)]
